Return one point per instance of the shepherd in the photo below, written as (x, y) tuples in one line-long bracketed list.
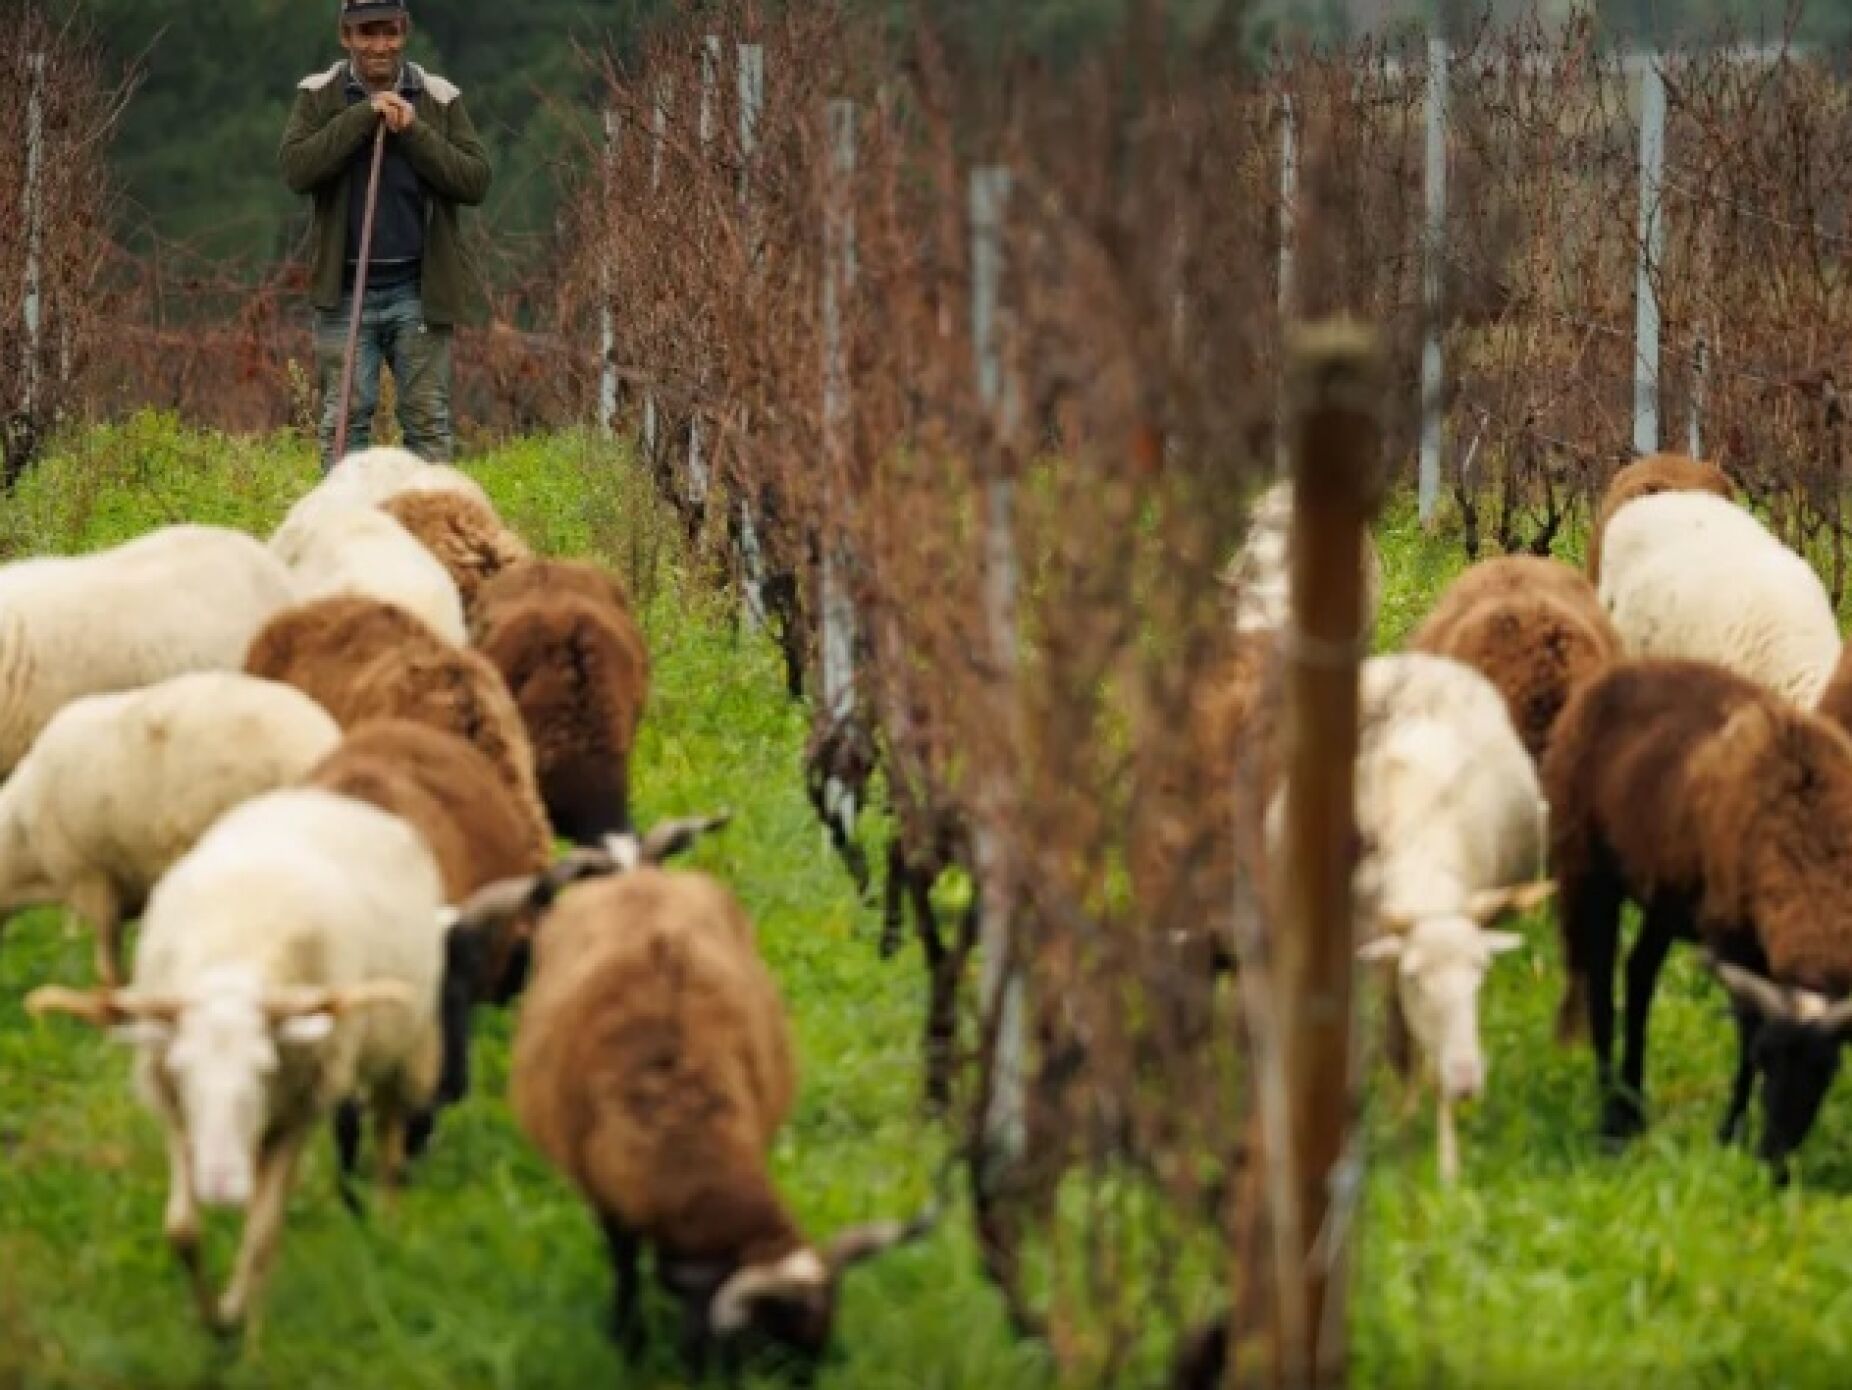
[(416, 280)]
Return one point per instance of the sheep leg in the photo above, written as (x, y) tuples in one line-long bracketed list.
[(347, 1121), (1748, 1025), (1643, 965), (181, 1221), (1594, 925), (624, 1248), (95, 902), (1449, 1139), (390, 1116), (263, 1226)]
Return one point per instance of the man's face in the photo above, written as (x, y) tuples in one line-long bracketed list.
[(376, 47)]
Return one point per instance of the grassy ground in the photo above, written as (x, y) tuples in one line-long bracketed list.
[(1552, 1264), (492, 1275)]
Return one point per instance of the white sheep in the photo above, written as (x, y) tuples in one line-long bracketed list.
[(360, 549), (181, 598), (368, 477), (1258, 580), (119, 786), (1693, 575), (257, 952), (1452, 818)]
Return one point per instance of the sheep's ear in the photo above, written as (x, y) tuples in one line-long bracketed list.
[(674, 836), (1837, 1018), (1499, 942), (142, 1032), (1764, 996), (1387, 947), (1489, 906)]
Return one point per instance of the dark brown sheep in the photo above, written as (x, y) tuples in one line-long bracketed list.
[(1836, 699), (579, 670), (653, 1066), (465, 535), (359, 663), (1531, 626), (1643, 478), (1726, 814)]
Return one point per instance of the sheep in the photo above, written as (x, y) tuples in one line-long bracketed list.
[(1647, 477), (1258, 579), (1726, 814), (1448, 805), (362, 659), (1836, 699), (367, 477), (1534, 627), (533, 577), (362, 550), (452, 795), (1687, 574), (177, 599), (259, 950), (653, 1066), (118, 786), (579, 672), (464, 535)]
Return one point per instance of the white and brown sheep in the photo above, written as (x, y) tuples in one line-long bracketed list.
[(1648, 477), (1726, 814), (259, 953), (462, 533), (119, 786), (363, 550), (178, 599)]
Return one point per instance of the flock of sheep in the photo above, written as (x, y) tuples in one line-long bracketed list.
[(326, 772), (1670, 729)]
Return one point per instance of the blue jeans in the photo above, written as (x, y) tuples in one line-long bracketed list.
[(392, 331)]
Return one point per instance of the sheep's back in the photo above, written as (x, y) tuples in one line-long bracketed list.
[(464, 535), (650, 1012), (180, 599), (579, 675), (306, 643), (537, 576), (1648, 477)]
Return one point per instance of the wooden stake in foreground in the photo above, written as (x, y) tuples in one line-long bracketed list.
[(1334, 394)]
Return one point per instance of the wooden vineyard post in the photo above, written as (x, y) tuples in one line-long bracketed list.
[(1305, 1070)]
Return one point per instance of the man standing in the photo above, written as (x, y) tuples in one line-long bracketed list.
[(419, 277)]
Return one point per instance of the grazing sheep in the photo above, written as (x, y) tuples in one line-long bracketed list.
[(1647, 477), (1259, 581), (178, 599), (579, 672), (402, 670), (119, 786), (362, 550), (1726, 814), (1534, 627), (258, 951), (368, 477), (464, 535), (1449, 810), (1689, 575), (451, 794), (1836, 700), (653, 1066), (537, 576)]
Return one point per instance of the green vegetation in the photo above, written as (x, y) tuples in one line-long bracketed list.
[(1554, 1263)]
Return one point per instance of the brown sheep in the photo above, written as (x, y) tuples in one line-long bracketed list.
[(1726, 813), (341, 657), (462, 532), (1836, 699), (653, 1066), (1645, 477), (530, 578), (579, 670), (1531, 626)]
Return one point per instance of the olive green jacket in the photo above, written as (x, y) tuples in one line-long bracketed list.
[(319, 143)]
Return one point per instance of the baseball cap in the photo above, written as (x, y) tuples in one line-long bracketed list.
[(361, 11)]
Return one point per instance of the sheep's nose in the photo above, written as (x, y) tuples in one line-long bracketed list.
[(1464, 1078)]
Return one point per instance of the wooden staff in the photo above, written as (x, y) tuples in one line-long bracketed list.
[(360, 290)]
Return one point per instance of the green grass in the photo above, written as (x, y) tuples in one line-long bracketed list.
[(491, 1275), (1553, 1263)]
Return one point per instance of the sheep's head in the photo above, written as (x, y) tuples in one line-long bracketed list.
[(1798, 1035), (1441, 961), (790, 1301), (214, 1052)]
